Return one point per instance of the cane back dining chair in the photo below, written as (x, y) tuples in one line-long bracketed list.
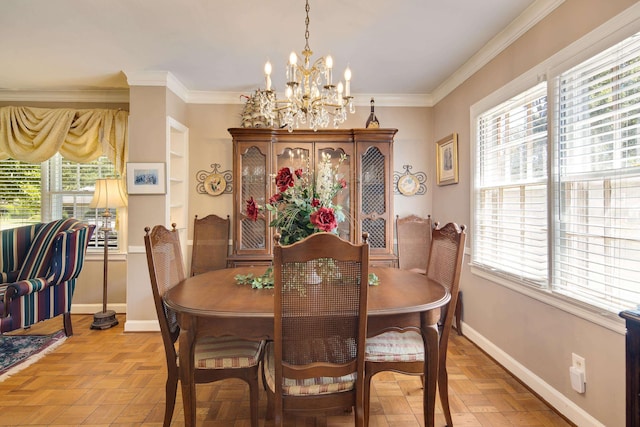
[(315, 363), (215, 358), (210, 243), (414, 242), (403, 350), (414, 239)]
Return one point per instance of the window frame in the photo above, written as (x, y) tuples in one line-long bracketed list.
[(607, 35), (47, 207)]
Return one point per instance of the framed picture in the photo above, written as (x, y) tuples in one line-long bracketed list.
[(146, 178), (447, 160)]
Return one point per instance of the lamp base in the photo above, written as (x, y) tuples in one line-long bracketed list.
[(104, 320)]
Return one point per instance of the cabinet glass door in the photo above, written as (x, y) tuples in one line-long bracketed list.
[(345, 170), (253, 167), (373, 197), (293, 158)]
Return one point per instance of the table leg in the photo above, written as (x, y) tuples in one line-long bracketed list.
[(187, 370), (431, 340)]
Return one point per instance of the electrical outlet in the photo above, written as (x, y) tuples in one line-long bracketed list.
[(577, 373), (578, 362)]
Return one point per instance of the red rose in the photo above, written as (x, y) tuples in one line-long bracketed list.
[(275, 199), (298, 172), (343, 183), (315, 202), (284, 179), (324, 219), (252, 209)]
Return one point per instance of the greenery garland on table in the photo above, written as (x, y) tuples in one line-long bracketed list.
[(265, 281)]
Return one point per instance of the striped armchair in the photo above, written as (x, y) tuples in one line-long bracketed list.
[(39, 265)]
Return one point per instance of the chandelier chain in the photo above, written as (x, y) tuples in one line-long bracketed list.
[(306, 25)]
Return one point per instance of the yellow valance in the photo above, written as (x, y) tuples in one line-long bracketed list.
[(36, 134)]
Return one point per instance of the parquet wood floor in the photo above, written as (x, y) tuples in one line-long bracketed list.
[(109, 378)]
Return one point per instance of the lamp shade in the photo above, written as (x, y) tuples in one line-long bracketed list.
[(108, 194)]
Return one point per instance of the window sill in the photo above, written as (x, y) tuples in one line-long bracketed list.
[(591, 314), (98, 255)]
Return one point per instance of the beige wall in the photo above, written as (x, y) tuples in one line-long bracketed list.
[(532, 335), (147, 143)]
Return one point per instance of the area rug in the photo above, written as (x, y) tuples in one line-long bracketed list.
[(19, 351)]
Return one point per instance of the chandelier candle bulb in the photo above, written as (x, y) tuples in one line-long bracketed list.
[(267, 72), (329, 63), (347, 79), (293, 60)]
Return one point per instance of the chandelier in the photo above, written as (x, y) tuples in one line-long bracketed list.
[(310, 96)]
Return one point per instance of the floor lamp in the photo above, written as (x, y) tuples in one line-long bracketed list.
[(108, 194)]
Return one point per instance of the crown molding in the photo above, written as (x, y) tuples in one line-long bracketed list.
[(393, 99), (206, 97), (523, 23), (107, 95), (359, 99), (158, 78)]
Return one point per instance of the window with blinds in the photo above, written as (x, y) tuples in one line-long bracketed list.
[(58, 188), (20, 196), (585, 246), (597, 227), (510, 226)]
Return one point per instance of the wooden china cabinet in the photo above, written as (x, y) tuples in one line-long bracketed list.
[(367, 201)]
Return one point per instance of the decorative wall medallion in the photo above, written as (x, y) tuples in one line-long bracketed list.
[(410, 184), (215, 181), (215, 184)]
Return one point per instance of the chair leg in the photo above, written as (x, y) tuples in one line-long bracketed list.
[(458, 314), (270, 405), (254, 398), (366, 404), (171, 389), (443, 389), (66, 321)]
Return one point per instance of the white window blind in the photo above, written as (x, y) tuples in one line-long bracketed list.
[(58, 188), (20, 196), (510, 223), (597, 233), (70, 190)]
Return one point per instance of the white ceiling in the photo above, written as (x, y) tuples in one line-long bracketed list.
[(402, 47)]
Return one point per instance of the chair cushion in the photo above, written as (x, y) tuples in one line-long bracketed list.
[(395, 347), (307, 386), (227, 352)]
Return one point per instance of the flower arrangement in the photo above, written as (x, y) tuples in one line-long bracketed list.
[(300, 207), (303, 205)]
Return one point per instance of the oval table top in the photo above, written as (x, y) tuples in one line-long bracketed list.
[(216, 294)]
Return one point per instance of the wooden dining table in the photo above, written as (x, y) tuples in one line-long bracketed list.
[(214, 304)]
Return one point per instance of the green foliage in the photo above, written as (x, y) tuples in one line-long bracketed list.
[(264, 281)]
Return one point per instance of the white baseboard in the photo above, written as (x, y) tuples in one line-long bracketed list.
[(141, 326), (553, 397), (94, 308)]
